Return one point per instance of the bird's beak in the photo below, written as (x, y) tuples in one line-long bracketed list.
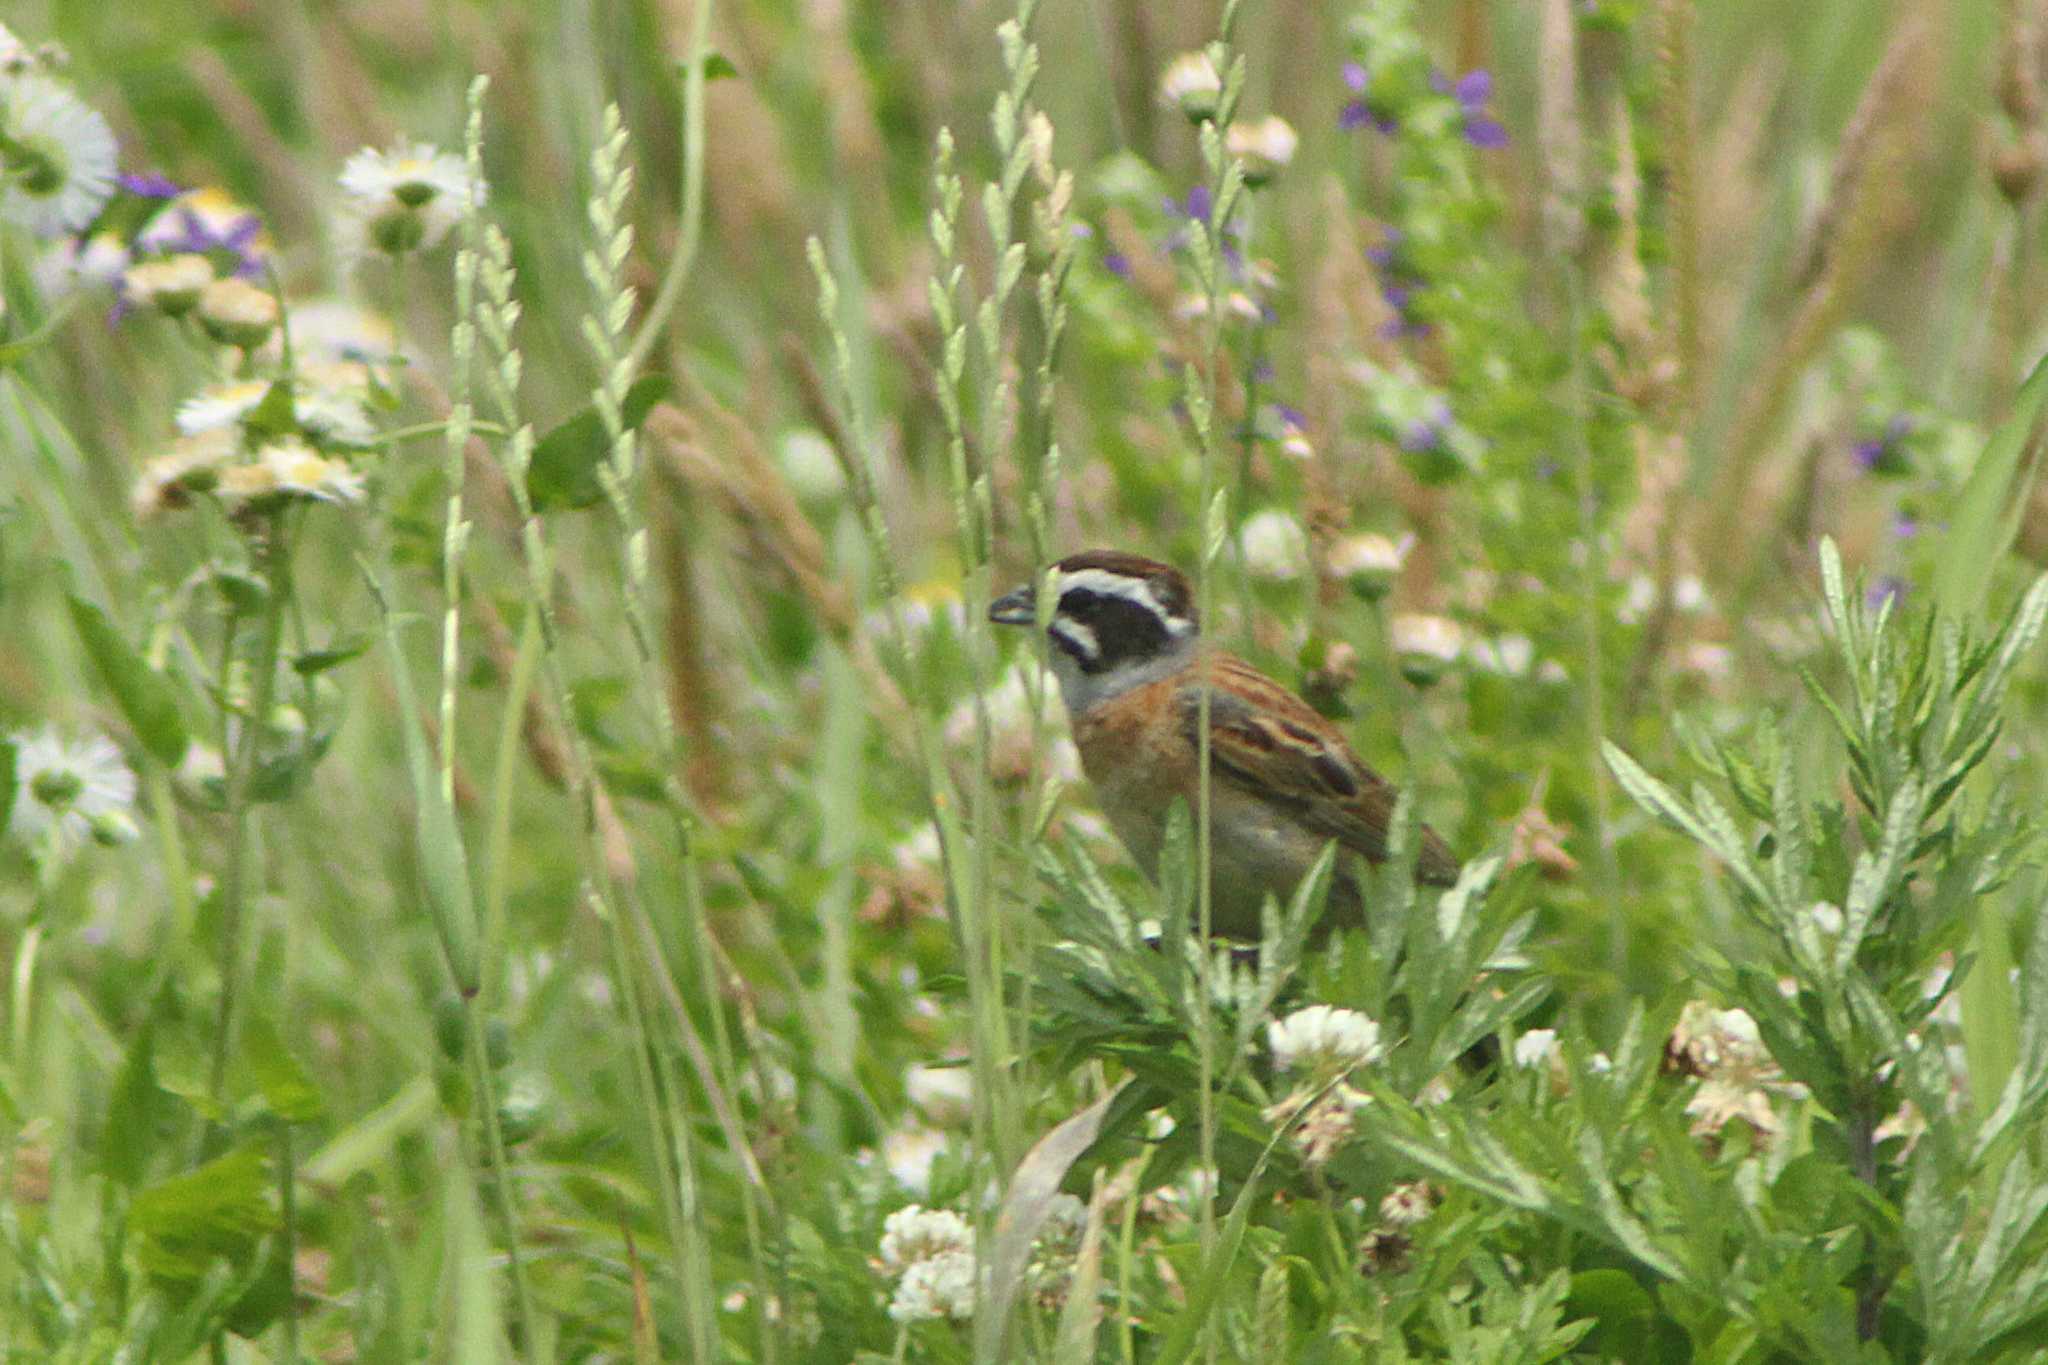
[(1019, 608)]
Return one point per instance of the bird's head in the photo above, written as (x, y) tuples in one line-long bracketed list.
[(1121, 619)]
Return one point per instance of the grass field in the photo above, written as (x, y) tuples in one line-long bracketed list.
[(522, 844)]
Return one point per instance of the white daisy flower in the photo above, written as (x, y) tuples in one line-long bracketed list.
[(302, 471), (57, 157), (171, 284), (407, 199), (335, 332), (237, 313), (333, 413), (219, 406), (237, 484), (67, 792), (167, 479), (1275, 546), (71, 264), (1323, 1039)]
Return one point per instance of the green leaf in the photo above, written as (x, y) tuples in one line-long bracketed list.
[(1986, 518), (1185, 1335), (314, 661), (135, 1110), (146, 697), (444, 865), (1621, 1307), (287, 1090), (219, 1211), (6, 780), (1024, 1212), (566, 460)]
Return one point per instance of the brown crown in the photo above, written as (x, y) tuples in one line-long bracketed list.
[(1169, 584)]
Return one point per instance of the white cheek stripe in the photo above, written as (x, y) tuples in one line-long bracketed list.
[(1080, 636)]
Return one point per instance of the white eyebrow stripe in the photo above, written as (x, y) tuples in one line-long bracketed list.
[(1116, 585)]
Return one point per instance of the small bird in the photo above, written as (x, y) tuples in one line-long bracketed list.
[(1283, 781)]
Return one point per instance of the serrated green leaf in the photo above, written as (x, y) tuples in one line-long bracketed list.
[(182, 1225), (287, 1089), (563, 473), (1986, 516), (146, 698)]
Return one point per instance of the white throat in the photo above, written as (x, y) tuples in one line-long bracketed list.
[(1081, 691)]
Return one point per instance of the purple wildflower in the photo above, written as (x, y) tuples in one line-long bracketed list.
[(1885, 453), (236, 240), (1890, 588), (1200, 201), (1355, 79), (1472, 91), (1427, 434), (1117, 264), (1291, 417), (1264, 373), (1905, 526), (1383, 254), (150, 185)]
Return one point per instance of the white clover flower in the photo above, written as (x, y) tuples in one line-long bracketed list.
[(1507, 655), (221, 406), (172, 284), (944, 1093), (1826, 917), (1737, 1074), (1236, 304), (942, 1287), (1191, 84), (1424, 646), (811, 466), (302, 471), (1600, 1064), (914, 1233), (71, 264), (1322, 1039), (1264, 147), (909, 1153), (1275, 547), (57, 157), (237, 313), (407, 198), (191, 462), (1536, 1047), (67, 792), (1369, 563), (1407, 1204)]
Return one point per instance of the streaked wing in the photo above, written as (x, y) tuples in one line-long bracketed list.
[(1267, 741)]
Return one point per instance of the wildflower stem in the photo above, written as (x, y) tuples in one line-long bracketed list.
[(501, 1182), (288, 1200), (690, 229), (274, 559)]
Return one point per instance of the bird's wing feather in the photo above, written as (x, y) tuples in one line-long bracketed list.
[(1265, 740)]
